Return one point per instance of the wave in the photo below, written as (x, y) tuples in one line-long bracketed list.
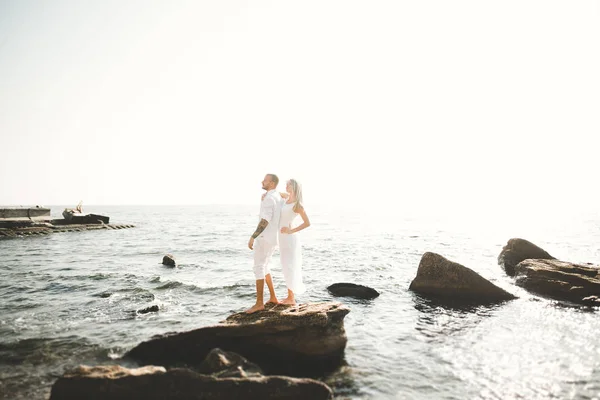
[(129, 294), (172, 285), (37, 351), (200, 289)]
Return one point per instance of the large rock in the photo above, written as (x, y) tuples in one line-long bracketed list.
[(560, 280), (304, 340), (353, 290), (439, 277), (517, 250), (154, 383)]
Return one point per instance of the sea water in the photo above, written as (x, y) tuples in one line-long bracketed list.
[(71, 298)]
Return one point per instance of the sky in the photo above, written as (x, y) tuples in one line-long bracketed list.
[(388, 104)]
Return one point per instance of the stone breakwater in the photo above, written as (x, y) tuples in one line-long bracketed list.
[(45, 229)]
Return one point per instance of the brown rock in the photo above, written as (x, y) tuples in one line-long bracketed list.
[(353, 290), (517, 250), (169, 260), (154, 383), (304, 340), (439, 277), (559, 280)]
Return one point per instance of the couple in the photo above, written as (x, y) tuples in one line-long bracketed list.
[(277, 212)]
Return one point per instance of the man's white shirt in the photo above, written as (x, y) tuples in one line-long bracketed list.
[(270, 210)]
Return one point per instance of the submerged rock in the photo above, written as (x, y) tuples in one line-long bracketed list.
[(439, 277), (560, 280), (517, 250), (169, 260), (304, 340), (147, 310), (117, 383), (353, 290)]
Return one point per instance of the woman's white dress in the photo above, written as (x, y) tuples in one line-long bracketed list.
[(290, 251)]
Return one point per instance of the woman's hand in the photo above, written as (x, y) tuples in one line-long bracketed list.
[(287, 230), (263, 196)]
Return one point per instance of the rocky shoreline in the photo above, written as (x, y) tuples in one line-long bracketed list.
[(265, 355), (285, 352)]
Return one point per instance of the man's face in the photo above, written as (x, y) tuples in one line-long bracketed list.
[(267, 183)]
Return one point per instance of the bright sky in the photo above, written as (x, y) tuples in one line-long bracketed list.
[(396, 103)]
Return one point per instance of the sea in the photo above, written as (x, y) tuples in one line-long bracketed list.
[(71, 298)]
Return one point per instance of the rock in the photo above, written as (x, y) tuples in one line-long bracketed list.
[(227, 364), (154, 383), (147, 310), (304, 340), (353, 290), (169, 260), (439, 277), (517, 250), (559, 280)]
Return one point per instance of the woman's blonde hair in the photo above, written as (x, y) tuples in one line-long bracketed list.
[(297, 191)]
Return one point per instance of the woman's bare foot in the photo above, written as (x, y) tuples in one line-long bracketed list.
[(255, 308), (288, 301), (273, 301)]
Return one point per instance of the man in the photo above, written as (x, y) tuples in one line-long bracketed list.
[(266, 241)]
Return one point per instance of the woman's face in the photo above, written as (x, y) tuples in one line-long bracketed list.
[(288, 187)]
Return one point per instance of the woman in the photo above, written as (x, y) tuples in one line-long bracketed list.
[(289, 244)]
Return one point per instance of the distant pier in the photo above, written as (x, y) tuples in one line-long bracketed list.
[(31, 221)]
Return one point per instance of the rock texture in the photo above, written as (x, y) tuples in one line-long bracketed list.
[(560, 280), (439, 277), (154, 383), (517, 250), (304, 340), (353, 290), (226, 364)]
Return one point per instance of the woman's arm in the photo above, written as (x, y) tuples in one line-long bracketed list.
[(282, 194), (305, 224)]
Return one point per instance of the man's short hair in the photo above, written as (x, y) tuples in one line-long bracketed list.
[(274, 178)]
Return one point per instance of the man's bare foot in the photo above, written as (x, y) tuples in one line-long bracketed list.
[(255, 308), (288, 301)]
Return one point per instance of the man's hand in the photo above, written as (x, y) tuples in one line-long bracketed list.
[(251, 243), (263, 196)]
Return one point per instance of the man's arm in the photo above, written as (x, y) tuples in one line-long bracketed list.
[(259, 229), (267, 209), (262, 225)]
